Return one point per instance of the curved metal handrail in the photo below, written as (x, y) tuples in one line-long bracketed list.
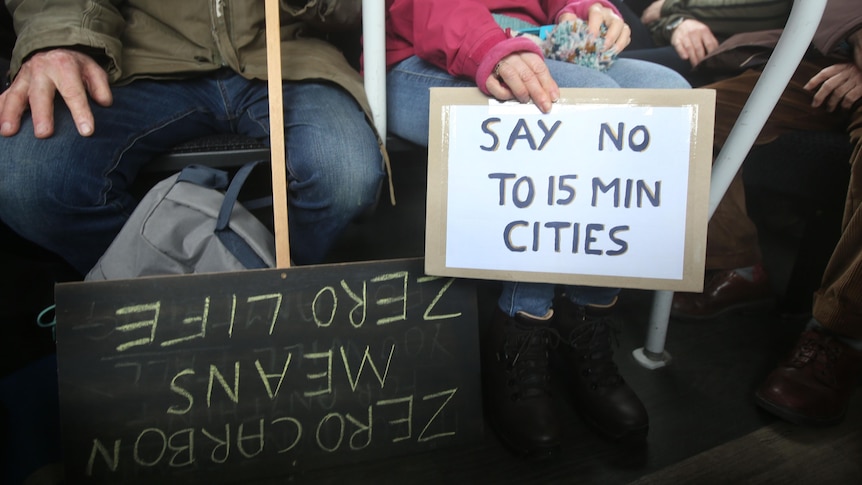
[(795, 39), (374, 60)]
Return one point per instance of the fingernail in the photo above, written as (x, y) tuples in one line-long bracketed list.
[(6, 127), (85, 129), (41, 129)]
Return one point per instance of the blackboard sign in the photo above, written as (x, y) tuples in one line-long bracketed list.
[(230, 377)]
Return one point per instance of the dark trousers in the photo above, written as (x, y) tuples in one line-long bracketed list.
[(732, 236)]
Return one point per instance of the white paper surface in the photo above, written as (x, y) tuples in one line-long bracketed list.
[(636, 228)]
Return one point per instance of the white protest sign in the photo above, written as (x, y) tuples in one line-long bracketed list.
[(608, 189)]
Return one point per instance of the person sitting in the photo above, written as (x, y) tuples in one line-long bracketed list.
[(815, 383), (680, 33), (134, 79), (469, 43)]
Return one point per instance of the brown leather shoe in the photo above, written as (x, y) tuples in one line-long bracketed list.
[(724, 291), (814, 385)]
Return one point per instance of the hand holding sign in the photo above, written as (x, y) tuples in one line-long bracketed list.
[(524, 76), (608, 189)]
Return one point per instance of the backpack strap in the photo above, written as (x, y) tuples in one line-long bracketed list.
[(220, 180), (232, 194), (231, 240), (204, 176)]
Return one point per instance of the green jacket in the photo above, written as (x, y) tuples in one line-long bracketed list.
[(752, 50), (161, 39), (723, 17)]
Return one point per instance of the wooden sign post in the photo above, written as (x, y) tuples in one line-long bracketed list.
[(278, 160), (609, 189), (234, 377)]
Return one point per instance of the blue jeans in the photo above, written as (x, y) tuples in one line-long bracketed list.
[(537, 298), (407, 86), (71, 194)]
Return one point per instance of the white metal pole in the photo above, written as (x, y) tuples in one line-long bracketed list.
[(794, 41), (374, 56)]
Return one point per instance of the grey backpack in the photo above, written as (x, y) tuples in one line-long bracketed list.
[(190, 222)]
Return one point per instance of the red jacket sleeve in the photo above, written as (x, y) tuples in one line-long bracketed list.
[(580, 8), (451, 34), (462, 37)]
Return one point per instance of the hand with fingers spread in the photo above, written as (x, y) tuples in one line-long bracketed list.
[(77, 77), (524, 76), (617, 33), (839, 85), (693, 40)]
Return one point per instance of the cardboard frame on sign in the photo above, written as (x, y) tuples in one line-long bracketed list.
[(489, 163)]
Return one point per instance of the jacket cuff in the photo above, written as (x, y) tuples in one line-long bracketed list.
[(329, 16), (497, 53), (582, 9), (662, 30), (107, 55)]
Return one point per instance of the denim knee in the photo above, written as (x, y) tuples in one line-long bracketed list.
[(327, 194), (32, 188), (357, 194), (53, 195)]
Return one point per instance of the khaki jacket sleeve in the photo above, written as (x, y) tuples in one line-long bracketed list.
[(326, 15), (723, 17), (94, 26)]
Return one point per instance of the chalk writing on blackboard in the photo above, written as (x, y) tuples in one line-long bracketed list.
[(213, 377)]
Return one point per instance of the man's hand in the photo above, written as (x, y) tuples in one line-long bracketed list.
[(524, 76), (652, 13), (836, 85), (693, 40), (73, 74)]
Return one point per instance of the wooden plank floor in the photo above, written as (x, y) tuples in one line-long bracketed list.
[(704, 425), (778, 453)]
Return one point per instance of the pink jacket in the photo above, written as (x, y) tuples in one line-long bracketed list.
[(462, 37)]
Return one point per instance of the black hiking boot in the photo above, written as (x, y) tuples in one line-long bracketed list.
[(517, 384), (585, 357)]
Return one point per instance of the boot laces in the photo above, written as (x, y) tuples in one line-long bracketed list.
[(820, 355), (594, 341), (525, 354)]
